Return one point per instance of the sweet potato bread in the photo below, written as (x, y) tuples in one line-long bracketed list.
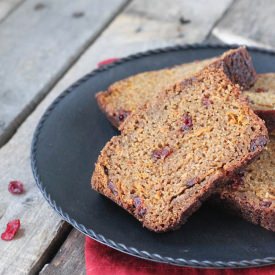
[(262, 93), (251, 194), (172, 153), (262, 99), (125, 96)]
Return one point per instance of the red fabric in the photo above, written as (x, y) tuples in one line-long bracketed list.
[(102, 260)]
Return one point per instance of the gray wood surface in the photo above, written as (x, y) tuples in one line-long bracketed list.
[(41, 226), (7, 6), (248, 22), (39, 41), (70, 257), (152, 24)]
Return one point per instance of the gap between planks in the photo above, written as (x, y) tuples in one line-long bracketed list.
[(69, 258), (7, 7)]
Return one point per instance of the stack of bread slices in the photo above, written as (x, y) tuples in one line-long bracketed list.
[(188, 133)]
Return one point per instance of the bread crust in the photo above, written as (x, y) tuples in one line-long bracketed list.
[(262, 216)]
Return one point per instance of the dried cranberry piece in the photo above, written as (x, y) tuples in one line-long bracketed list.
[(122, 115), (112, 187), (138, 204), (106, 171), (11, 230), (107, 61), (236, 183), (240, 173), (142, 211), (192, 182), (261, 90), (16, 187), (259, 141), (265, 203), (187, 122), (206, 101), (162, 153)]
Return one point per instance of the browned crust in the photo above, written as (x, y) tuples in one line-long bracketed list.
[(100, 98), (256, 214), (238, 66)]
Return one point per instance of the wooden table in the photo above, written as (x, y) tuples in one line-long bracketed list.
[(44, 47)]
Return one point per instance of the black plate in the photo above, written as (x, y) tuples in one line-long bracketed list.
[(66, 145)]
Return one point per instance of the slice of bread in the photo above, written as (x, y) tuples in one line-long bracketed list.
[(262, 93), (251, 194), (125, 96), (262, 99), (172, 153)]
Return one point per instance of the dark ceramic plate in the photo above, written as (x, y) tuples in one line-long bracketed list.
[(66, 145)]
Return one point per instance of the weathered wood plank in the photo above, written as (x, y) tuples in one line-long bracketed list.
[(70, 258), (138, 28), (7, 6), (150, 24), (39, 41), (248, 22)]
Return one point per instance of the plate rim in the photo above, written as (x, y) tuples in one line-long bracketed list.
[(99, 237)]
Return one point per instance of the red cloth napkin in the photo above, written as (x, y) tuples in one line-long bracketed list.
[(103, 260)]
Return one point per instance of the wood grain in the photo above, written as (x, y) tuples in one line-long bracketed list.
[(248, 22), (152, 24), (7, 6), (39, 41), (70, 258), (139, 27)]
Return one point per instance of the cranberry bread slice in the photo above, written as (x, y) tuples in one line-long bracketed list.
[(125, 96), (262, 93), (252, 193), (262, 99), (172, 154)]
